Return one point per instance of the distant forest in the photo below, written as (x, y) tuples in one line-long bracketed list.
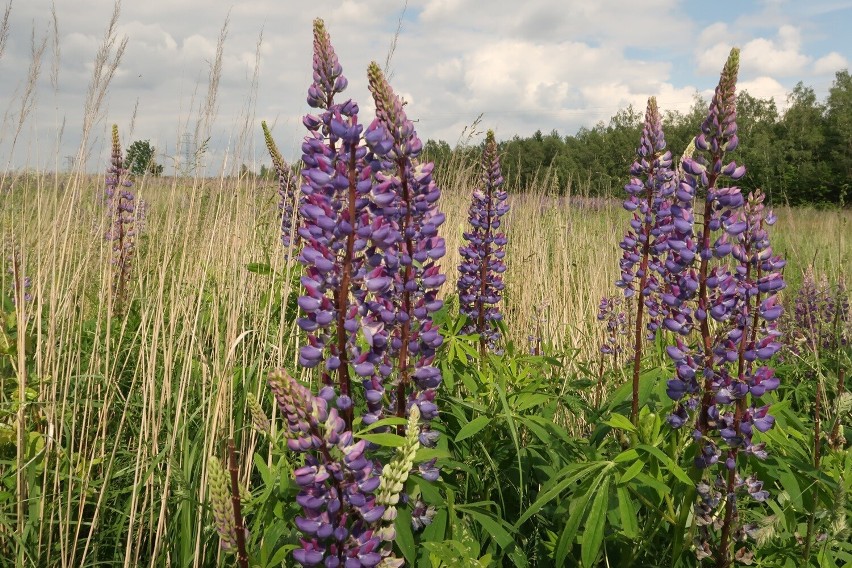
[(800, 156)]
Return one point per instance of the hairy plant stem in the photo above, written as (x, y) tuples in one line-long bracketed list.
[(239, 525), (343, 296), (706, 338), (809, 535), (638, 338), (404, 377), (834, 439)]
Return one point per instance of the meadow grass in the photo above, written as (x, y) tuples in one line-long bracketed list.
[(124, 409)]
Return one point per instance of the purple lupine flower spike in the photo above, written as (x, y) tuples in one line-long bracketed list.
[(334, 211), (735, 286), (480, 281), (337, 482), (406, 231), (641, 264), (286, 187), (124, 221)]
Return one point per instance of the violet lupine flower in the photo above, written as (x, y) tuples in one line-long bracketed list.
[(688, 292), (615, 320), (335, 214), (643, 245), (741, 300), (405, 247), (286, 187), (480, 281), (821, 314), (123, 219), (341, 518)]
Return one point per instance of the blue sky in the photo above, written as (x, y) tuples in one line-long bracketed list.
[(537, 64)]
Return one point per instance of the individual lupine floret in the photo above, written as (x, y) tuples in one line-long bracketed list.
[(336, 182), (480, 282), (220, 503), (341, 516), (286, 187), (643, 245), (123, 221), (405, 276)]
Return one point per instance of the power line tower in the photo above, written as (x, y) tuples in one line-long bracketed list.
[(69, 162), (188, 151)]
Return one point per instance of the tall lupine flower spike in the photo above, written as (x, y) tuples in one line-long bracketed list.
[(705, 172), (336, 181), (286, 187), (740, 296), (341, 518), (480, 281), (648, 193), (123, 220), (821, 314), (405, 247)]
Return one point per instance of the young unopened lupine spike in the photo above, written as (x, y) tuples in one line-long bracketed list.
[(220, 504)]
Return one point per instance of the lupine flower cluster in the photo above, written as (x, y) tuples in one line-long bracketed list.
[(821, 317), (368, 224), (286, 186), (403, 254), (123, 221), (480, 281), (642, 266), (648, 199), (734, 304), (614, 319)]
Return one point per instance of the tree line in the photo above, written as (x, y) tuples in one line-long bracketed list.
[(801, 155)]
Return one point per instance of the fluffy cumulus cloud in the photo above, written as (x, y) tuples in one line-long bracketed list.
[(539, 64)]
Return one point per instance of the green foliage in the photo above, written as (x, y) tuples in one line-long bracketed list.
[(141, 157), (800, 156)]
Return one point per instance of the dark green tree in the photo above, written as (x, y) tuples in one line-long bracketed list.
[(141, 158), (839, 134), (806, 175)]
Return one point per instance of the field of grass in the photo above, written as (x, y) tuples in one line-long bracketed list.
[(123, 410)]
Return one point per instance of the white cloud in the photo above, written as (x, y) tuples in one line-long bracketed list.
[(829, 64)]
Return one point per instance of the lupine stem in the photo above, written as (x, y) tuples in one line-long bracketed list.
[(816, 457), (834, 439), (706, 337), (345, 381), (404, 377), (239, 525), (639, 338)]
